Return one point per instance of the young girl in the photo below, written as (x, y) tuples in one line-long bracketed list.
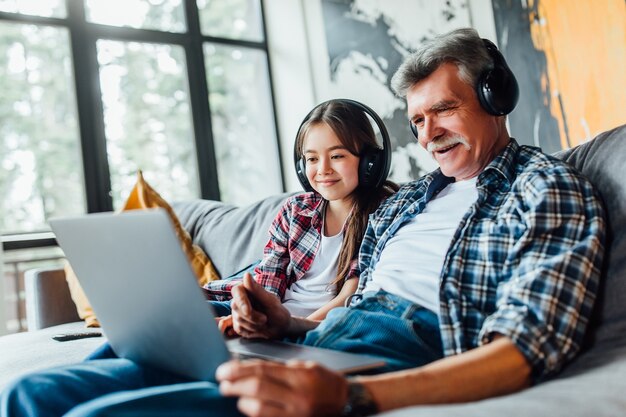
[(310, 261)]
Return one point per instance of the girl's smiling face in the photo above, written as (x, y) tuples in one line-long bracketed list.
[(331, 169)]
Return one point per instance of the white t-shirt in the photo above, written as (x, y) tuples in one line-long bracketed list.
[(314, 289), (410, 264)]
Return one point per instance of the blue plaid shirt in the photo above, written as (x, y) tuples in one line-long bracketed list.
[(524, 262)]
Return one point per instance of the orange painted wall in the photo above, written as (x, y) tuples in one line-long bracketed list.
[(584, 42)]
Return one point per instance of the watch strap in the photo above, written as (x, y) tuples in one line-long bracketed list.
[(360, 401)]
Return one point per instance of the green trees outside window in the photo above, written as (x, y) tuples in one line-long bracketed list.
[(176, 88)]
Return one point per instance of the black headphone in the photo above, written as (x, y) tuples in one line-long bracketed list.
[(497, 88), (374, 163)]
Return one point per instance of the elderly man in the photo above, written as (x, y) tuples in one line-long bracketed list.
[(503, 242), (476, 280)]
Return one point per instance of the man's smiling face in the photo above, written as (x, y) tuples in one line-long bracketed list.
[(460, 135)]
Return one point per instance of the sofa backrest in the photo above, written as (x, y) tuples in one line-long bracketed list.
[(603, 161), (233, 237)]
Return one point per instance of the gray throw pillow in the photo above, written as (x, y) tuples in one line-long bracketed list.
[(233, 237)]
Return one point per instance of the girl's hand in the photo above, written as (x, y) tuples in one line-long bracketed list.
[(225, 324), (257, 313)]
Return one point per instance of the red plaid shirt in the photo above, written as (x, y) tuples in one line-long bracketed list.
[(295, 237)]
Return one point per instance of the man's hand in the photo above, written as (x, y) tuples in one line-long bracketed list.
[(257, 313), (269, 389)]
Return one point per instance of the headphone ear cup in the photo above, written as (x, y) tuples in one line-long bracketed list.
[(301, 173), (370, 168), (497, 88), (498, 91)]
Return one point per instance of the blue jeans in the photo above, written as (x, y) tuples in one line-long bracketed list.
[(95, 387), (221, 308), (383, 325), (403, 334)]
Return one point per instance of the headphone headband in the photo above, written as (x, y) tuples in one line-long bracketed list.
[(374, 164)]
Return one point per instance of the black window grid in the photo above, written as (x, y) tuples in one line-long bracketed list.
[(83, 37)]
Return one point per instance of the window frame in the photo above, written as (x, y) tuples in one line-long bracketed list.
[(83, 37)]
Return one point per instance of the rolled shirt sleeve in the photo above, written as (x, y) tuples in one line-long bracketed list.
[(545, 305)]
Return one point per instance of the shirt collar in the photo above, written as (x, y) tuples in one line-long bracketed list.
[(315, 206), (503, 166), (312, 206)]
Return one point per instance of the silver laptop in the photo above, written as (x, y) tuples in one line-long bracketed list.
[(144, 292)]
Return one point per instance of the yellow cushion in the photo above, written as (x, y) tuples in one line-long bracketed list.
[(143, 196), (83, 307)]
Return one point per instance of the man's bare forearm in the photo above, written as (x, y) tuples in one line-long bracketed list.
[(488, 371)]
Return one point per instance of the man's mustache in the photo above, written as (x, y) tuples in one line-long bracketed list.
[(447, 142)]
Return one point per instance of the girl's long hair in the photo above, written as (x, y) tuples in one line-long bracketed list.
[(355, 132)]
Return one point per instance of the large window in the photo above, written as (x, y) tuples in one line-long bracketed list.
[(94, 90), (178, 89), (41, 173), (147, 117)]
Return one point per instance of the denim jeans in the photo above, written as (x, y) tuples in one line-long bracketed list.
[(383, 325), (404, 334), (94, 388), (221, 308)]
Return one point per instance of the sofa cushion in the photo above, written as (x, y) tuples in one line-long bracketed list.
[(31, 351), (143, 197), (233, 237), (602, 161)]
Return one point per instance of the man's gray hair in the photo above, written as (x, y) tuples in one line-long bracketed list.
[(463, 47)]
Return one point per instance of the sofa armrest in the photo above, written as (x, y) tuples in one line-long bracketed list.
[(48, 299)]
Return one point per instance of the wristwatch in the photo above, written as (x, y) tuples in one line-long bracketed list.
[(360, 402)]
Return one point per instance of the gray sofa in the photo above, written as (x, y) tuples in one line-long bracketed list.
[(592, 385)]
